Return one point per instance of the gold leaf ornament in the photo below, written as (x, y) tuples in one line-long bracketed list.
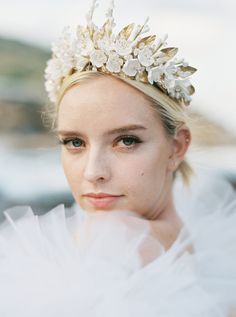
[(143, 77), (148, 40), (169, 52), (188, 69), (126, 31), (106, 28), (127, 47), (191, 90)]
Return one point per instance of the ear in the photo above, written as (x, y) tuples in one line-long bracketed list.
[(179, 147)]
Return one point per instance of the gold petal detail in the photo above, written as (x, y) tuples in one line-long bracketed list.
[(105, 30), (103, 69), (143, 76), (191, 90), (126, 31), (170, 51), (185, 102), (148, 40), (190, 69)]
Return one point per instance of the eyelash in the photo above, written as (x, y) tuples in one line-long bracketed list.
[(123, 137)]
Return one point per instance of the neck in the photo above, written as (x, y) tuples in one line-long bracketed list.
[(167, 225)]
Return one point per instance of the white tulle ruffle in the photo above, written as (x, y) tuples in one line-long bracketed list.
[(72, 263)]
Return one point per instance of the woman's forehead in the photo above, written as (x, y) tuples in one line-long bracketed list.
[(105, 115), (102, 105), (104, 98), (102, 89)]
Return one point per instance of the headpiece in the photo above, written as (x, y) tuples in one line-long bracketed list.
[(128, 54)]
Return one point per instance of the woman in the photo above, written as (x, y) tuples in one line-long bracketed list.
[(115, 146), (125, 251)]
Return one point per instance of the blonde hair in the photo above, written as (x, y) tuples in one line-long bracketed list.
[(171, 113)]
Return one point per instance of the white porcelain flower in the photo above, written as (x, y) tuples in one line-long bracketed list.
[(171, 70), (53, 69), (66, 65), (155, 74), (88, 47), (145, 56), (128, 57), (83, 43), (114, 62), (136, 51), (52, 87), (131, 67), (180, 89), (81, 61), (98, 58), (105, 44), (122, 46)]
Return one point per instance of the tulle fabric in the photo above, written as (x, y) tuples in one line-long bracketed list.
[(69, 262)]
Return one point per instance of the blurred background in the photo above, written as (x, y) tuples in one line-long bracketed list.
[(203, 30)]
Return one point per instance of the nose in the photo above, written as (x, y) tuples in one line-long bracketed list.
[(97, 167)]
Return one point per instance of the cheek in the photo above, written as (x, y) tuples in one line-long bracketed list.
[(71, 171), (152, 172), (143, 171)]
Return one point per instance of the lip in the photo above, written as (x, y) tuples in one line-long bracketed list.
[(100, 195), (102, 200)]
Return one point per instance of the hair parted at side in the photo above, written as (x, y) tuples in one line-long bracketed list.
[(172, 114)]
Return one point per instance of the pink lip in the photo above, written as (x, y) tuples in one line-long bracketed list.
[(102, 200), (99, 195)]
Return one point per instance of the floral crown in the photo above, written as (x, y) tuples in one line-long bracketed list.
[(128, 54)]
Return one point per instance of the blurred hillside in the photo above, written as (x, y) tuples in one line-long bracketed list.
[(21, 71), (22, 92)]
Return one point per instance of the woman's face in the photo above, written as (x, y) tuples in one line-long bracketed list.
[(114, 145)]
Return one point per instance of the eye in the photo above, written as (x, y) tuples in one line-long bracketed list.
[(129, 141), (76, 142)]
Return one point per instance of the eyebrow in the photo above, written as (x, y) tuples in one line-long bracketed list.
[(132, 127)]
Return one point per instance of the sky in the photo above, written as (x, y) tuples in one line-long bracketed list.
[(203, 30)]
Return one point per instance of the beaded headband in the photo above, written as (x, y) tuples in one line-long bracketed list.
[(128, 54)]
